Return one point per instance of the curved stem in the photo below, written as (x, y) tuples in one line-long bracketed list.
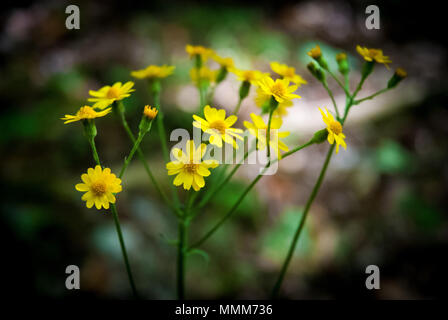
[(131, 154), (238, 106), (347, 93), (332, 98), (371, 96), (302, 222), (118, 228)]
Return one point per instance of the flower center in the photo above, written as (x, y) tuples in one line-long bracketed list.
[(99, 188), (278, 89), (190, 167), (113, 93), (289, 72), (249, 75), (219, 125), (336, 127), (86, 112)]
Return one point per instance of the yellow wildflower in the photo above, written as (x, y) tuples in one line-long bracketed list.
[(108, 94), (85, 112), (401, 73), (189, 167), (258, 129), (334, 129), (261, 100), (100, 186), (279, 89), (223, 62), (315, 52), (373, 55), (153, 71), (149, 112), (218, 126), (341, 56), (252, 76), (288, 73), (201, 51), (204, 74)]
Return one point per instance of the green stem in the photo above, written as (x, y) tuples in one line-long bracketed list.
[(163, 140), (123, 249), (371, 96), (243, 195), (302, 223), (131, 154), (142, 159), (347, 93), (268, 136), (332, 98), (118, 228), (238, 106), (181, 260)]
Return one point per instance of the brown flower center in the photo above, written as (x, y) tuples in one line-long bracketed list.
[(99, 188), (191, 167), (336, 127), (113, 93), (219, 125)]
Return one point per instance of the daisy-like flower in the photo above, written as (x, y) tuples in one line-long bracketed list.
[(373, 55), (288, 73), (218, 126), (149, 112), (85, 112), (258, 129), (153, 71), (251, 76), (334, 129), (201, 51), (223, 62), (108, 94), (189, 167), (99, 186), (262, 101), (279, 89), (204, 74)]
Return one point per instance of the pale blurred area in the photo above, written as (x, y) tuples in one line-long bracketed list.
[(383, 202)]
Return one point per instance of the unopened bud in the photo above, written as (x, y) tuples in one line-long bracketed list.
[(399, 75)]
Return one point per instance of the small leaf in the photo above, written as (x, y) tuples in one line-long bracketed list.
[(202, 253)]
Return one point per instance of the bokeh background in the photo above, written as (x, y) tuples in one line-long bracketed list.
[(384, 200)]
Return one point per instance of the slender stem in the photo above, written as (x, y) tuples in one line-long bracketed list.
[(302, 223), (131, 154), (123, 249), (332, 98), (238, 106), (142, 158), (347, 93), (118, 228), (268, 136), (163, 140), (243, 195), (181, 259), (371, 96)]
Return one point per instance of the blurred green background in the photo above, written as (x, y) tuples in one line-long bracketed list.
[(384, 200)]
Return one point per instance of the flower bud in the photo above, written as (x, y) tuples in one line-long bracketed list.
[(89, 128), (317, 72), (399, 75), (341, 59), (320, 136), (148, 115), (316, 54), (367, 68), (244, 89), (221, 74)]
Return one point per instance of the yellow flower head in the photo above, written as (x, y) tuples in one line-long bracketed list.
[(201, 51), (99, 187), (223, 62), (108, 94), (252, 76), (218, 126), (189, 167), (204, 74), (334, 129), (258, 129), (288, 73), (149, 112), (261, 100), (85, 112), (401, 73), (315, 53), (341, 57), (279, 89), (373, 55), (153, 71)]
